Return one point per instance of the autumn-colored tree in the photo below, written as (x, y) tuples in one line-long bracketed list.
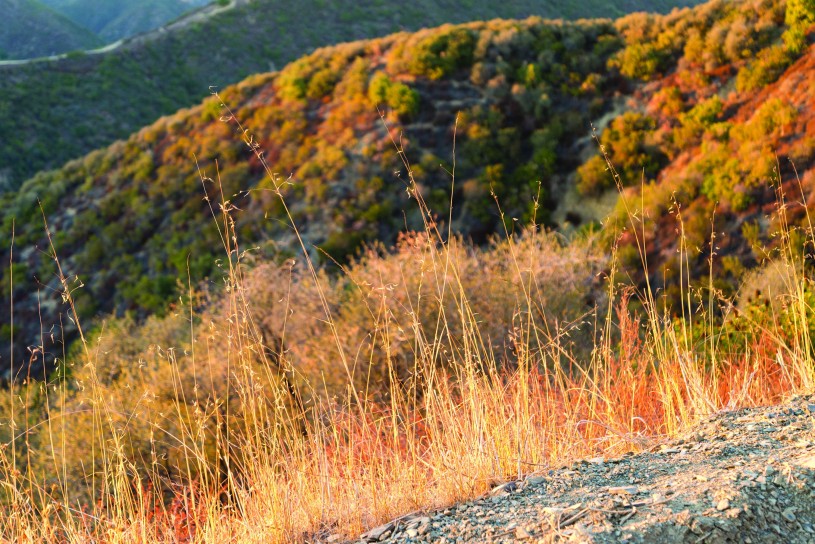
[(800, 12)]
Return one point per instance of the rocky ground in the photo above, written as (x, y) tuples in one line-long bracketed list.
[(741, 476)]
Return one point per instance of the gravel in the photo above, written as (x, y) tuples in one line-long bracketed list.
[(740, 476)]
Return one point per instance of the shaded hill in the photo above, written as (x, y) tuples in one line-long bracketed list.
[(69, 107), (31, 29), (113, 20)]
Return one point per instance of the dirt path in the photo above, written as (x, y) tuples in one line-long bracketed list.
[(744, 476)]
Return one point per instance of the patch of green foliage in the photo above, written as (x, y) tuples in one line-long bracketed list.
[(113, 20)]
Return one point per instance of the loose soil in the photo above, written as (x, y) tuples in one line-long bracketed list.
[(739, 476)]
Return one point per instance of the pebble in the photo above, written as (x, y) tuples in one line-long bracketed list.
[(723, 505), (789, 514), (378, 533), (535, 480), (508, 487)]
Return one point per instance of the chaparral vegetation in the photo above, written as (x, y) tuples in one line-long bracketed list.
[(400, 270)]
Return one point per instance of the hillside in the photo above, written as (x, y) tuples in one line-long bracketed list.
[(133, 213), (129, 219), (72, 106), (501, 280), (113, 20), (31, 29)]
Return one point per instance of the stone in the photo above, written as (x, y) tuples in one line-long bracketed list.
[(535, 480), (521, 533), (723, 505), (508, 487), (624, 490), (378, 533)]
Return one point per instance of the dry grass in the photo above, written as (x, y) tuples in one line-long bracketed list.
[(297, 405)]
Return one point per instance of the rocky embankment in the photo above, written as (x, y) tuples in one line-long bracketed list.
[(740, 476)]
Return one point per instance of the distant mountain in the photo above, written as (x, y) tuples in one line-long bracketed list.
[(66, 108), (113, 20), (31, 29)]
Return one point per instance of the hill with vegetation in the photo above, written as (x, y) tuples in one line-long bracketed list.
[(69, 107), (135, 213), (113, 20), (31, 29), (333, 295), (697, 104)]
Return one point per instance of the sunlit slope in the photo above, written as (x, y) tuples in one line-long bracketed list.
[(67, 108), (693, 108), (130, 219)]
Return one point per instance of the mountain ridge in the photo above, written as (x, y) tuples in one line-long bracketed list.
[(34, 30), (113, 20)]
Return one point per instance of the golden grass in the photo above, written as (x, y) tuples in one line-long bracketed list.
[(418, 378)]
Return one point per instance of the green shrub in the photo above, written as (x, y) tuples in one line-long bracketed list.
[(769, 64), (403, 100), (640, 61), (378, 88), (697, 121), (399, 97), (628, 143), (441, 54), (321, 84)]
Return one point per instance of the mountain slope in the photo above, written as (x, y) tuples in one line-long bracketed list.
[(30, 29), (113, 20), (730, 142), (695, 104), (69, 107), (128, 219)]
